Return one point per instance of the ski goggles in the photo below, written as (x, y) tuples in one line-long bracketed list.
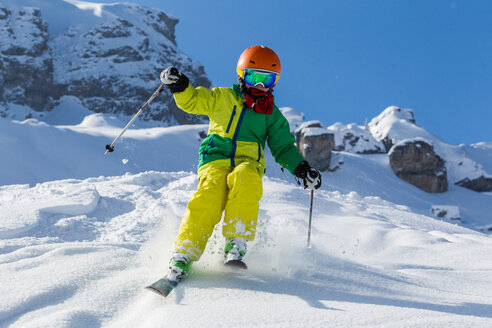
[(253, 77)]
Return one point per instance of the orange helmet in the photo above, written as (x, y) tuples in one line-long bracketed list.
[(258, 58)]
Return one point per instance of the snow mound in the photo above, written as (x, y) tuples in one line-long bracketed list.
[(96, 8), (480, 152), (24, 207), (394, 123), (69, 111), (446, 211), (355, 139), (95, 121)]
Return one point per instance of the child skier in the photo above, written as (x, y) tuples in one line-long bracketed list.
[(231, 162)]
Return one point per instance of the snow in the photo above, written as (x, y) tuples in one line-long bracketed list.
[(22, 207), (61, 13), (372, 262), (311, 129), (295, 117), (354, 138), (480, 152), (82, 234), (77, 151), (409, 141), (95, 7), (446, 211)]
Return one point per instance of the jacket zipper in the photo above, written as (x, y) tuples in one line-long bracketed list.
[(236, 134), (232, 118)]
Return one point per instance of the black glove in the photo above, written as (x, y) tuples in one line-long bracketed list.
[(174, 79), (309, 175)]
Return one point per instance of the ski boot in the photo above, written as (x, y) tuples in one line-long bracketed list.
[(179, 267), (235, 249)]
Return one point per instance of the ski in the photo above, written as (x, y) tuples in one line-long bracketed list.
[(238, 264), (163, 286)]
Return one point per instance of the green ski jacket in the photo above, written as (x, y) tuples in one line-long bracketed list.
[(237, 133)]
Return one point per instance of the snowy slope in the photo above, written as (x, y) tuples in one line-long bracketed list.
[(87, 248), (38, 152), (77, 151), (77, 252)]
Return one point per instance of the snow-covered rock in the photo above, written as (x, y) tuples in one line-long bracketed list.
[(395, 124), (351, 138), (108, 56), (315, 143), (355, 139), (480, 184), (449, 212)]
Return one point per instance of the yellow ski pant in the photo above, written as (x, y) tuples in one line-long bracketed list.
[(235, 190)]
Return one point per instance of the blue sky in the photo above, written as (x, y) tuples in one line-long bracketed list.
[(345, 61)]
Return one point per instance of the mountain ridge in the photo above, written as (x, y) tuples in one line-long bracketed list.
[(108, 56)]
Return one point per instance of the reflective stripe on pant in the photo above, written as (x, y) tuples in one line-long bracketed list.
[(236, 190)]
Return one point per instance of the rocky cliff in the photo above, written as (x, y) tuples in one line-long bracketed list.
[(416, 162), (414, 154), (108, 56)]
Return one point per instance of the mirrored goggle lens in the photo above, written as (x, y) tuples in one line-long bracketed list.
[(253, 78)]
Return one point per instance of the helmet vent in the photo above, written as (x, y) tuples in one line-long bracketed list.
[(252, 61), (274, 64)]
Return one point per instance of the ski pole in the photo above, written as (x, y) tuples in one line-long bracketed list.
[(110, 148), (310, 219)]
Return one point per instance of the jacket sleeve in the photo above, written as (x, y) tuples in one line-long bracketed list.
[(282, 142), (198, 101)]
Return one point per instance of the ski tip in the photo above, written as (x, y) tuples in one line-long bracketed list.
[(158, 291), (162, 287), (236, 264)]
